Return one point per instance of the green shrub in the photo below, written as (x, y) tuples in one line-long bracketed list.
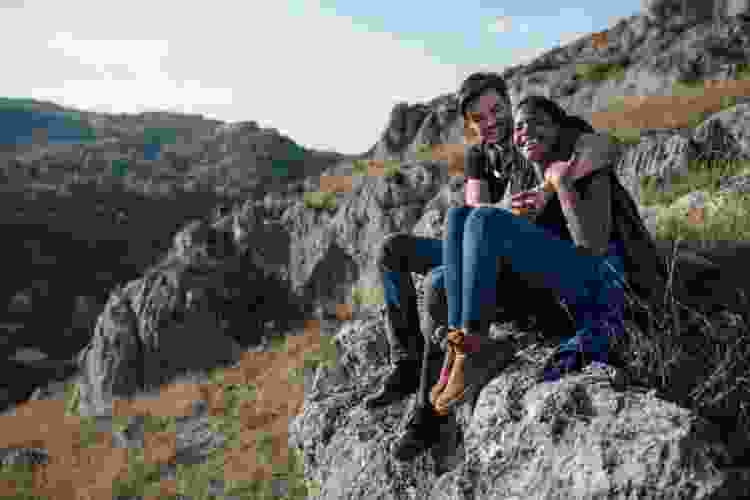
[(359, 167), (600, 71), (701, 176), (743, 71), (320, 200), (392, 170), (627, 136), (368, 296)]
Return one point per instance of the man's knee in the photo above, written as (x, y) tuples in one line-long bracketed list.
[(390, 251)]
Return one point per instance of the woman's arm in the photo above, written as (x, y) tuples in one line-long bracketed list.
[(589, 215), (592, 153)]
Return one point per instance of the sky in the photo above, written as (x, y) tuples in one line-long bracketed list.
[(324, 72)]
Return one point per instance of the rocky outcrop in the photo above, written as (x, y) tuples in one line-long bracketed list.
[(402, 128), (591, 435), (726, 135), (661, 156), (191, 312), (341, 246)]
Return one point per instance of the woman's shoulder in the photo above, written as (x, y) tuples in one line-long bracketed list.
[(594, 140)]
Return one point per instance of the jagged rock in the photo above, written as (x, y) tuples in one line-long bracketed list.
[(140, 337), (718, 143), (661, 155), (403, 125), (443, 124), (342, 246), (24, 456), (678, 12), (587, 436), (728, 129), (735, 184), (583, 438), (737, 8)]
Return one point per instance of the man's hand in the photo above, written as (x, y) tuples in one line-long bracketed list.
[(531, 202)]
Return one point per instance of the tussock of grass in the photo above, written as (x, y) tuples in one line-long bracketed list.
[(628, 136), (359, 167), (368, 296), (376, 168), (725, 216), (320, 200), (600, 72), (710, 373)]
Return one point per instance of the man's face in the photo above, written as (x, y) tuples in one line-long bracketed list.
[(492, 113)]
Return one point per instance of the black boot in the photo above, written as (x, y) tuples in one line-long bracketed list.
[(422, 433), (398, 384)]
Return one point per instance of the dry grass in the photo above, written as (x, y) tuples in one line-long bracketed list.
[(251, 404), (675, 111), (700, 360)]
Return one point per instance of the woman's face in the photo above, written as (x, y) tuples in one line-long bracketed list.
[(534, 133), (492, 114)]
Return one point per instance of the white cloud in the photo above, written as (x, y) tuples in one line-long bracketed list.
[(136, 56), (502, 24), (318, 78)]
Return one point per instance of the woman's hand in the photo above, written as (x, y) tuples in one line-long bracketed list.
[(558, 173)]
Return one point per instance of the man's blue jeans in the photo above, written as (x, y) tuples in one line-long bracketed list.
[(477, 238)]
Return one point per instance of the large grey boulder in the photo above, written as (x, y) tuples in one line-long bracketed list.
[(737, 8), (327, 253), (727, 133), (182, 316), (678, 10), (591, 435), (661, 155)]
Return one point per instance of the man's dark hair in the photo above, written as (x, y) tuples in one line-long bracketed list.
[(478, 83)]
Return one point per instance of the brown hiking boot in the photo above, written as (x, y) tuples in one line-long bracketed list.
[(454, 390), (437, 389)]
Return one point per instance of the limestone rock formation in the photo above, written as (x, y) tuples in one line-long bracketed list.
[(402, 127), (588, 436), (661, 155), (186, 314)]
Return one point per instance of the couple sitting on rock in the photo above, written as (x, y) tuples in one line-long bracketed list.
[(579, 238)]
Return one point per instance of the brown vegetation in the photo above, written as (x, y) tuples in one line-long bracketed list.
[(76, 472)]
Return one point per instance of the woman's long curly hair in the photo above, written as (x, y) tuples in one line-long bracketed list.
[(571, 127)]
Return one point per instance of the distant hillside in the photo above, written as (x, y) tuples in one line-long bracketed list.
[(43, 143)]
